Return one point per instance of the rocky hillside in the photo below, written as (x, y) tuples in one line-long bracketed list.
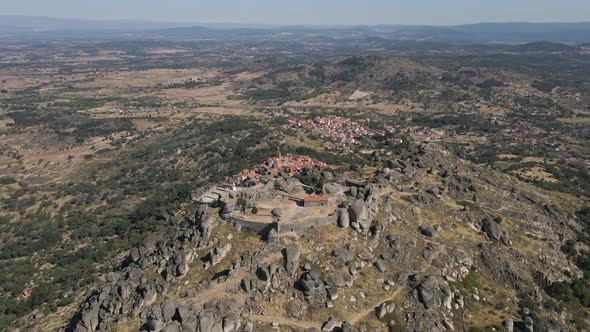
[(420, 241), (300, 181), (380, 78), (434, 83), (499, 76)]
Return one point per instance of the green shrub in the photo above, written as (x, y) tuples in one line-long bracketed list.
[(7, 180), (569, 248)]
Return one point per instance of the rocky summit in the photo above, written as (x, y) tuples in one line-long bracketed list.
[(396, 253)]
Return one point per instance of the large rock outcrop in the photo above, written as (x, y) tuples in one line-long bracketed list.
[(292, 254), (359, 215)]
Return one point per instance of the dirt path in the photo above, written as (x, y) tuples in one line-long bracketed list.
[(306, 324), (364, 313), (221, 290), (286, 321)]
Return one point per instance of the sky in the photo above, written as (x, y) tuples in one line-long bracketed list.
[(316, 12)]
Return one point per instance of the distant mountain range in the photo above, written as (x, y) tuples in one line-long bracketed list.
[(480, 33), (29, 24), (520, 32)]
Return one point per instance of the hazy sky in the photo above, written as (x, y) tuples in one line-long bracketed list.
[(308, 11)]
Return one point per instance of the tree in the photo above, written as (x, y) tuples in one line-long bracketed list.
[(42, 294)]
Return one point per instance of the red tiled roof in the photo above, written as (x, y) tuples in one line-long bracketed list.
[(26, 294)]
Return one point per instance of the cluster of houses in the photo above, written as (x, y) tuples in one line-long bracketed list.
[(339, 129), (534, 136), (279, 166), (426, 135), (527, 134)]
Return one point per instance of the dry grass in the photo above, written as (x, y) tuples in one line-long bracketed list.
[(576, 120)]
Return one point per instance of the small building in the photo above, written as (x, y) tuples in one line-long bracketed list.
[(312, 201), (26, 294)]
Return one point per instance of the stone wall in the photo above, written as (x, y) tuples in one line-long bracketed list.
[(259, 227)]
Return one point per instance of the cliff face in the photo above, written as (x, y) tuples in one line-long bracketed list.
[(430, 243)]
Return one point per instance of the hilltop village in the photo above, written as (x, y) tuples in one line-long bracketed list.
[(328, 258), (288, 165)]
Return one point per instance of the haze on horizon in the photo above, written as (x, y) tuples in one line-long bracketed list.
[(312, 12)]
